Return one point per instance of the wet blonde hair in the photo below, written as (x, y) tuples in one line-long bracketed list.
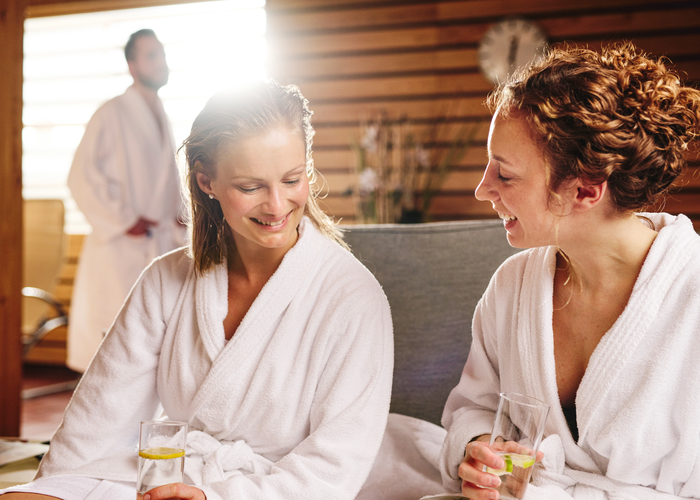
[(229, 117)]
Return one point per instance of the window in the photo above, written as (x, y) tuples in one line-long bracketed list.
[(74, 63)]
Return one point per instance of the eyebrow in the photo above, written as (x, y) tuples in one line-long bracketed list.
[(301, 168)]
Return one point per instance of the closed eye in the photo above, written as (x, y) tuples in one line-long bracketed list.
[(293, 182), (503, 179), (248, 190)]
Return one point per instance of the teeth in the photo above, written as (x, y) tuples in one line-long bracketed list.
[(266, 223), (506, 217)]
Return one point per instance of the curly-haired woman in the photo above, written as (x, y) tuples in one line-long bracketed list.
[(600, 317), (267, 336)]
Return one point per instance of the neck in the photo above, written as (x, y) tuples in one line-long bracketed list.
[(609, 252), (254, 263), (148, 93)]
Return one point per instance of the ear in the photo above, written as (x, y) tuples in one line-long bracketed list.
[(588, 196), (204, 182)]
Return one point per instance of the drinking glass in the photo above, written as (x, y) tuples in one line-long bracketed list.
[(161, 454), (515, 437)]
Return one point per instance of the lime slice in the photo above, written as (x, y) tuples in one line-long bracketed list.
[(512, 460), (162, 453)]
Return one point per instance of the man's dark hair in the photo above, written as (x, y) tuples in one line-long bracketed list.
[(131, 44)]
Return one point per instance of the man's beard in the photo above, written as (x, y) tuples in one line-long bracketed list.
[(154, 83)]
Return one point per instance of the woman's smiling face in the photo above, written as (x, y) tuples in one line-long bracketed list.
[(262, 186), (515, 182)]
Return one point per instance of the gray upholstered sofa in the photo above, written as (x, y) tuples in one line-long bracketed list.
[(433, 275)]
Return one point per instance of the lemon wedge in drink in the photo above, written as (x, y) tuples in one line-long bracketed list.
[(512, 460), (161, 453)]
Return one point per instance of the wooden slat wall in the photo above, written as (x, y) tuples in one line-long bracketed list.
[(353, 58)]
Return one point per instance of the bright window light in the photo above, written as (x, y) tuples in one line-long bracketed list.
[(74, 63)]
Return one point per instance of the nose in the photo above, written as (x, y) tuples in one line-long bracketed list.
[(485, 191), (274, 204)]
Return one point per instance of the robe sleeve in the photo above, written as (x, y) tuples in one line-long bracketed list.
[(348, 416), (97, 176), (471, 405), (100, 428)]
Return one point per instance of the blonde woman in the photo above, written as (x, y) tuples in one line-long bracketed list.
[(266, 336), (600, 316)]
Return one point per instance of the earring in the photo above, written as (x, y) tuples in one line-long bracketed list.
[(211, 196)]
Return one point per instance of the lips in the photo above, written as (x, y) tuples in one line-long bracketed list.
[(271, 223), (268, 223)]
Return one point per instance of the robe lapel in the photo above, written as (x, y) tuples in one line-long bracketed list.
[(535, 337), (259, 324), (536, 343), (145, 127)]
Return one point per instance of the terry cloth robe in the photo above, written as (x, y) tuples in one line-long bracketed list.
[(292, 407), (123, 169), (638, 404)]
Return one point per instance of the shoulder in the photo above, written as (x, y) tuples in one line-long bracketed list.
[(170, 270), (513, 268), (106, 113), (341, 276)]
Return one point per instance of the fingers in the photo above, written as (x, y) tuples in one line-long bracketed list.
[(474, 492), (484, 455), (475, 480), (175, 491)]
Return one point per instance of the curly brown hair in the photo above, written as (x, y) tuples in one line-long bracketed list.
[(228, 117), (618, 115)]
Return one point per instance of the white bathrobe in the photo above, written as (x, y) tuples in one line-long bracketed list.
[(124, 168), (292, 407), (638, 404)]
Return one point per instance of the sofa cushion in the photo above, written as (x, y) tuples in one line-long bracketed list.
[(433, 275)]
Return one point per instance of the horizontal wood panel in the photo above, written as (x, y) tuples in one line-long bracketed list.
[(442, 206), (621, 23), (618, 25), (416, 109), (396, 87), (336, 184), (295, 20), (685, 202), (343, 135), (299, 70), (474, 157)]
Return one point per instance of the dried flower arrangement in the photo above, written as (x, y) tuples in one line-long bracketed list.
[(398, 174)]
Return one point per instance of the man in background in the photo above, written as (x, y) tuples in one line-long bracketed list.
[(125, 181)]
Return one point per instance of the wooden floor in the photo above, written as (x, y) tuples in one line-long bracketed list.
[(42, 415)]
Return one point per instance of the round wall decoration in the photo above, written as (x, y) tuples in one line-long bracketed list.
[(509, 44)]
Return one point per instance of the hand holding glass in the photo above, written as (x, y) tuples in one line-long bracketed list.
[(161, 454), (516, 435)]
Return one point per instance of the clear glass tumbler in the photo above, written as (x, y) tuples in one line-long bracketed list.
[(516, 435), (161, 454)]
